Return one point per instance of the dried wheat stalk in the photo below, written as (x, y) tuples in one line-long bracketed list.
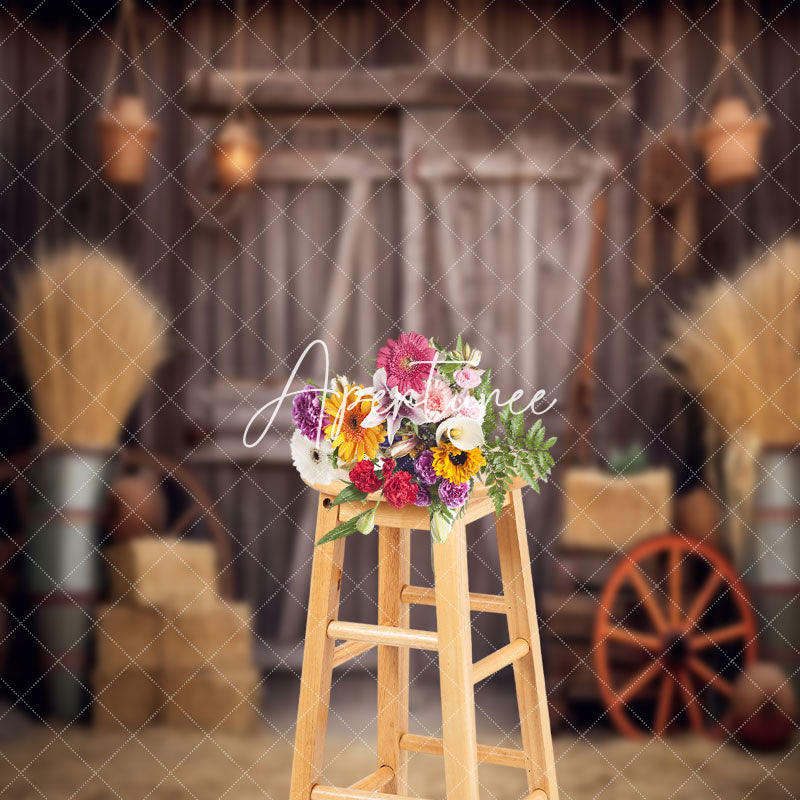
[(89, 339), (739, 349)]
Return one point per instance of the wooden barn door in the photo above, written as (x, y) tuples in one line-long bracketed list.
[(309, 253)]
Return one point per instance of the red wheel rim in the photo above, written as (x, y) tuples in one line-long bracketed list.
[(674, 641)]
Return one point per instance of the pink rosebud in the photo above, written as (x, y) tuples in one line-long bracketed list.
[(468, 378)]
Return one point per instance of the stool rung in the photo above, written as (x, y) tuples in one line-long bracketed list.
[(506, 655), (349, 650), (375, 781), (504, 756), (383, 634), (332, 793), (422, 596)]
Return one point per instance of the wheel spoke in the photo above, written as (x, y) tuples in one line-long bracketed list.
[(704, 597), (666, 690), (639, 682), (730, 633), (674, 594), (703, 671), (692, 705), (647, 641), (646, 596)]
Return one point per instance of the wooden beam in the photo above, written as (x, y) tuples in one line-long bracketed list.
[(383, 634), (375, 781), (504, 756), (394, 570), (332, 793), (284, 90), (315, 681), (494, 662), (455, 665), (348, 651), (422, 596)]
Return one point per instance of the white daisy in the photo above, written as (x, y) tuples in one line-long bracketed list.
[(312, 462)]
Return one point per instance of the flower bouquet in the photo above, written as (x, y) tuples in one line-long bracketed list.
[(423, 434)]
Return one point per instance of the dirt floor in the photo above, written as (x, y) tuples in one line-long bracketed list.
[(162, 764), (166, 765)]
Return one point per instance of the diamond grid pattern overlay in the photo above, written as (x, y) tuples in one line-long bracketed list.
[(470, 28)]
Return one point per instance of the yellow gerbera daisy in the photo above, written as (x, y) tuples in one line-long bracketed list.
[(346, 411), (457, 466)]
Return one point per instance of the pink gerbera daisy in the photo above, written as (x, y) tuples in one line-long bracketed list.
[(408, 362)]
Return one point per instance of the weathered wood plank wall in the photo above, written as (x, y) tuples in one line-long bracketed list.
[(229, 281)]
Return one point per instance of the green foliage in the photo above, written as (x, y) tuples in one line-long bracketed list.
[(348, 495), (626, 461), (345, 528), (515, 451)]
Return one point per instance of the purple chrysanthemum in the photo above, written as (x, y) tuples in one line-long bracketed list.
[(453, 495), (423, 497), (423, 466), (307, 410)]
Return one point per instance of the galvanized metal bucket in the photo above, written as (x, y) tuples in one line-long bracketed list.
[(62, 571), (773, 574)]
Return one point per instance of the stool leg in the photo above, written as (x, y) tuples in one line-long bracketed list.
[(515, 568), (455, 665), (394, 572), (315, 682)]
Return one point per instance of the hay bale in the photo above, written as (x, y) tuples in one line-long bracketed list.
[(211, 700), (610, 512), (168, 573), (128, 636), (219, 635), (128, 699)]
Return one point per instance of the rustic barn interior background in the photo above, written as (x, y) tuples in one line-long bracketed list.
[(419, 157)]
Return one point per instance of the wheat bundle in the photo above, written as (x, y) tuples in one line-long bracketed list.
[(738, 349), (89, 340)]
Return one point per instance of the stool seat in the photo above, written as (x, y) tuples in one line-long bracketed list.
[(452, 641), (413, 517)]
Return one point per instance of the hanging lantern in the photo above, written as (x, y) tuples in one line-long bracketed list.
[(126, 132), (730, 141), (126, 136), (236, 154), (237, 149)]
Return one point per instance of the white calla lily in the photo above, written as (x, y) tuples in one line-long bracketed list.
[(440, 528), (462, 432)]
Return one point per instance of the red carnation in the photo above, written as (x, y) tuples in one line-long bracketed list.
[(364, 478), (399, 490), (388, 466)]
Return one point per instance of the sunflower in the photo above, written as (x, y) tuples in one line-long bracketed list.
[(456, 466), (347, 410)]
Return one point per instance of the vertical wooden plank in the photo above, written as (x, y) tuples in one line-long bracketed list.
[(515, 569), (394, 572), (250, 279), (276, 299), (315, 681), (455, 665), (439, 33), (412, 250), (529, 245), (472, 51), (193, 305)]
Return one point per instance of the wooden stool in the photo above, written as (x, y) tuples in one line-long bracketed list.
[(393, 637)]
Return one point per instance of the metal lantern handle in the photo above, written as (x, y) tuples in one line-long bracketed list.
[(126, 24)]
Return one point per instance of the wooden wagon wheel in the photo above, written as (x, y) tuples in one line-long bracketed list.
[(663, 650)]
